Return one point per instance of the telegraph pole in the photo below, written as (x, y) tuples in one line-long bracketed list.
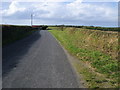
[(31, 19)]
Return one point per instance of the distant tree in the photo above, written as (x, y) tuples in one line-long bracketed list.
[(44, 27), (62, 27)]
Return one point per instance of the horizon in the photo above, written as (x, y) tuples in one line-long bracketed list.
[(58, 25)]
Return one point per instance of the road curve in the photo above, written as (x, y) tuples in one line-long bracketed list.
[(37, 61)]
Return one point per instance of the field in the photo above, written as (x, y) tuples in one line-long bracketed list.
[(116, 29), (97, 52)]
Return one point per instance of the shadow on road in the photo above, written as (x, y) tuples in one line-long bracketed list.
[(12, 53)]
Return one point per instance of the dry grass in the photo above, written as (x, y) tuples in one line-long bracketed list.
[(104, 41), (96, 49)]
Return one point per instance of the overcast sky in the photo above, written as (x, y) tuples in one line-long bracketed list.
[(72, 12)]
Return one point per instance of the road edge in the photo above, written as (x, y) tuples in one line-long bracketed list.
[(71, 60)]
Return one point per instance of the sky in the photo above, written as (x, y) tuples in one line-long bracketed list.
[(56, 12)]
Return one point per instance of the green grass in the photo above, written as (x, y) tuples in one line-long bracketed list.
[(94, 48)]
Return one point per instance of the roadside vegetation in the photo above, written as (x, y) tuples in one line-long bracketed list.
[(97, 52), (90, 27), (12, 33)]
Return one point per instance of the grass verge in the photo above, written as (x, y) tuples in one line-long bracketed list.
[(97, 54)]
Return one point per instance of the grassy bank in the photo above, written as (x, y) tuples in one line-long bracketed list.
[(90, 27), (97, 52), (12, 33)]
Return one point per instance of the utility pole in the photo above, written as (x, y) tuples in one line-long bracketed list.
[(31, 19)]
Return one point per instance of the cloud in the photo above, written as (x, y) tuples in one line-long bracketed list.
[(13, 8), (74, 12), (38, 0), (88, 11), (101, 0), (62, 0)]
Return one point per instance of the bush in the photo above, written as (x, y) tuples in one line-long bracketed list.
[(44, 27)]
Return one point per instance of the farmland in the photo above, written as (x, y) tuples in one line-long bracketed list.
[(97, 52)]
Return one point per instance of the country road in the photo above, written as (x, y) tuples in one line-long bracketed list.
[(37, 61)]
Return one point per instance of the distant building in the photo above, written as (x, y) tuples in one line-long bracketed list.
[(37, 26)]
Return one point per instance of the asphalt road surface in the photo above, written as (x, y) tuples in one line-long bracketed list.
[(37, 61)]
